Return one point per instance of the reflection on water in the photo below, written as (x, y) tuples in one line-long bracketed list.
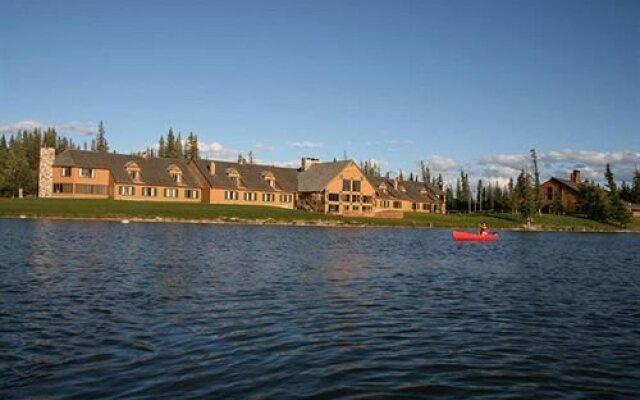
[(92, 309)]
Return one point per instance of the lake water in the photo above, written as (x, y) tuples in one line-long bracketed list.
[(106, 310)]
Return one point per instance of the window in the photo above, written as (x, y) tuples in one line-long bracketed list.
[(250, 196), (126, 190), (346, 185), (414, 206), (356, 186), (384, 204), (149, 192), (177, 177), (366, 208), (171, 193), (397, 204), (334, 197), (231, 195), (549, 193), (87, 173), (285, 198), (91, 189), (425, 207), (268, 197), (355, 198), (346, 208), (62, 188), (134, 175), (66, 171), (334, 208), (356, 208), (346, 198), (191, 194), (367, 199)]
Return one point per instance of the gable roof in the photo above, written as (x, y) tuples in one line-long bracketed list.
[(251, 176), (565, 182), (153, 171), (318, 176), (413, 190)]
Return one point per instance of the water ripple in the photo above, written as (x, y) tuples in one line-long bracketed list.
[(140, 311)]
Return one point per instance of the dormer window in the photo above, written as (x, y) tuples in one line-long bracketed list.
[(133, 170), (233, 176), (176, 174), (269, 178)]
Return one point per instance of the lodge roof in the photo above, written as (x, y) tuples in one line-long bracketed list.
[(252, 176), (153, 171), (318, 176), (570, 184), (407, 190)]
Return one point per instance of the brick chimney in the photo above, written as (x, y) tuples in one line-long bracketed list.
[(307, 162), (211, 167), (575, 176)]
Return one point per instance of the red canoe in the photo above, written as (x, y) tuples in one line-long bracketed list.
[(462, 236)]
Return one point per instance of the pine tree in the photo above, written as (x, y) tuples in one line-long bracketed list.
[(171, 149), (162, 148), (101, 140), (179, 152), (526, 200), (536, 182), (595, 203), (192, 151), (618, 212), (635, 187)]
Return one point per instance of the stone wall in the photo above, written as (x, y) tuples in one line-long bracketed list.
[(45, 174)]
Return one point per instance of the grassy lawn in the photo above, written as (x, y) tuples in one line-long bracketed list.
[(70, 208)]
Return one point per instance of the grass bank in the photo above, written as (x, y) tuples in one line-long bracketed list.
[(110, 209)]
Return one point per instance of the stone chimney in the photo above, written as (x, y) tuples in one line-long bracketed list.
[(575, 176), (212, 168), (307, 162), (395, 183), (45, 173)]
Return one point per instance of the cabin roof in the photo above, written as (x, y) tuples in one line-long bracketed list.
[(153, 171)]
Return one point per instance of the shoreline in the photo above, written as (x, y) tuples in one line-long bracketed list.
[(300, 223)]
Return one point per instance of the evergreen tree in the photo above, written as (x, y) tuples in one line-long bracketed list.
[(536, 182), (101, 140), (179, 153), (425, 172), (635, 187), (526, 199), (618, 211), (162, 148), (595, 202), (479, 194), (171, 148), (192, 150), (250, 157)]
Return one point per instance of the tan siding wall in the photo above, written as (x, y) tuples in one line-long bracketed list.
[(217, 196), (353, 173), (137, 196), (102, 177)]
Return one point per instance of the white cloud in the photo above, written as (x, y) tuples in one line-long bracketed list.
[(440, 164), (65, 128), (287, 164), (216, 150), (560, 164), (306, 144)]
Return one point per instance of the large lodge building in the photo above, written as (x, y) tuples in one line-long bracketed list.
[(338, 187)]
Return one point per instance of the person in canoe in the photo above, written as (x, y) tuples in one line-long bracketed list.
[(484, 229)]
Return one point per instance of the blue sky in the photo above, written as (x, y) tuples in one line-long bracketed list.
[(461, 84)]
